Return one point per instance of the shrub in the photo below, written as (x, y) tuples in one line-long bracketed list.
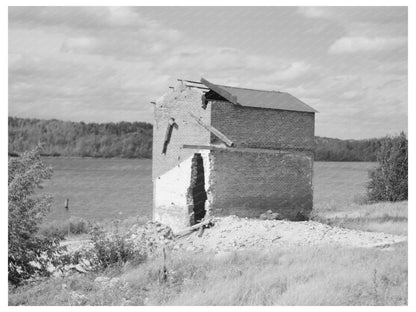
[(30, 253), (54, 228), (77, 226), (111, 249), (360, 199), (388, 182)]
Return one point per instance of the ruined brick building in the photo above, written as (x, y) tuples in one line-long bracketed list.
[(220, 150)]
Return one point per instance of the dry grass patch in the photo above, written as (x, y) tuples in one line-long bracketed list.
[(302, 276), (323, 276), (383, 217)]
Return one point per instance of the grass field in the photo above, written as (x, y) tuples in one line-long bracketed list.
[(308, 276), (339, 200), (100, 189)]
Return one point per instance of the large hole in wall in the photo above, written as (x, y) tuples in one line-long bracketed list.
[(196, 192)]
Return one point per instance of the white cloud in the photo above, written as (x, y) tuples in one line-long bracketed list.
[(365, 44), (290, 72), (217, 59), (78, 44), (122, 16), (351, 95), (314, 12), (85, 18), (360, 29), (345, 15)]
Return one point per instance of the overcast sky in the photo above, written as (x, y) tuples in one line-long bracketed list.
[(107, 64)]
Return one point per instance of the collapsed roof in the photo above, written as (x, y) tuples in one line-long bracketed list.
[(258, 98)]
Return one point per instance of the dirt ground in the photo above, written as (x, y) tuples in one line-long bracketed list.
[(233, 233)]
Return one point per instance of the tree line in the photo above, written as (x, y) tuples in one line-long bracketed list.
[(66, 138), (134, 140), (329, 149)]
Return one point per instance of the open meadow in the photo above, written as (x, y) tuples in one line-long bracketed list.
[(308, 276), (340, 200)]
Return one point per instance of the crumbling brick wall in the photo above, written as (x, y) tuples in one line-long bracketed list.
[(171, 172), (171, 194), (249, 183), (177, 104), (245, 183)]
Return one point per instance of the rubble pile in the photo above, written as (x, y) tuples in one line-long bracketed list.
[(270, 215), (234, 233), (153, 236), (228, 234)]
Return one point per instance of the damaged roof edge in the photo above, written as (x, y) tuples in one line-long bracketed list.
[(264, 99), (225, 94)]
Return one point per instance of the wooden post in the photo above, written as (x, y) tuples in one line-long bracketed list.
[(163, 272), (68, 217), (214, 131)]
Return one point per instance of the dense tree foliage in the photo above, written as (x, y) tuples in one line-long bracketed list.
[(122, 139), (134, 140), (388, 182), (328, 149), (30, 253)]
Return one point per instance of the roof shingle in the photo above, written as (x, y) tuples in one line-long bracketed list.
[(260, 98)]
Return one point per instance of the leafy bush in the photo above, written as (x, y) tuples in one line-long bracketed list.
[(30, 253), (388, 182), (111, 249), (77, 226), (123, 225), (54, 228)]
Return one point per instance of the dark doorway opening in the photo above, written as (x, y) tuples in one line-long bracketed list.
[(197, 193)]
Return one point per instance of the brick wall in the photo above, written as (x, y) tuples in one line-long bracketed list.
[(263, 128), (241, 183), (172, 172), (248, 184), (178, 104)]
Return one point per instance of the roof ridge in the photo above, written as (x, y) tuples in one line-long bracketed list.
[(251, 89)]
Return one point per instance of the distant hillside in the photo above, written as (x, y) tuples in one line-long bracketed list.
[(328, 149), (134, 140), (65, 138)]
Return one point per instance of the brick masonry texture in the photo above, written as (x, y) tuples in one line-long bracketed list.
[(263, 128), (178, 104), (244, 183), (172, 172), (248, 184)]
